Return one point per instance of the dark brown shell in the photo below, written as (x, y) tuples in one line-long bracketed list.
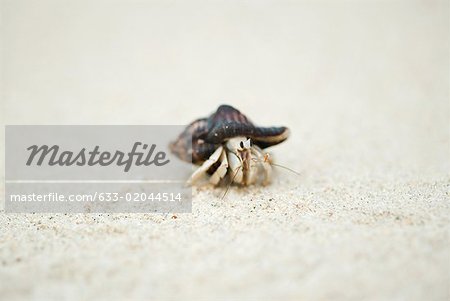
[(202, 137)]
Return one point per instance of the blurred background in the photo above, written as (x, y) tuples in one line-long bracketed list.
[(314, 66), (363, 85), (321, 68)]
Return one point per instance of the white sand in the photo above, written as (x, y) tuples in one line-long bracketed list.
[(364, 89)]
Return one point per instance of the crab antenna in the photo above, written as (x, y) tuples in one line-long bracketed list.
[(287, 168), (231, 182), (278, 165)]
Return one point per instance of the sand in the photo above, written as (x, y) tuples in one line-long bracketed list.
[(364, 89)]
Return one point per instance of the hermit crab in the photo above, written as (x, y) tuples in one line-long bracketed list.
[(228, 145)]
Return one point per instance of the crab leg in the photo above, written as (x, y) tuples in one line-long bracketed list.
[(236, 167), (264, 163), (201, 171), (221, 170)]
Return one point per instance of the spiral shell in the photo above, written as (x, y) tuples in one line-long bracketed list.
[(203, 136)]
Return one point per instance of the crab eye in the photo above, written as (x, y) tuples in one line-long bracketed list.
[(241, 144)]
